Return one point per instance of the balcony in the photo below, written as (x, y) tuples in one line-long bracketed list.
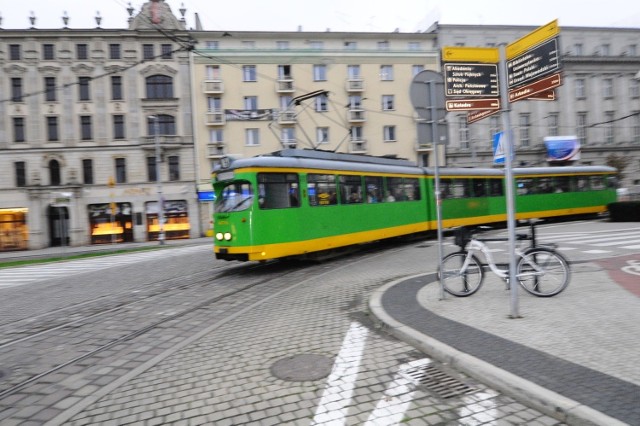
[(285, 85), (358, 146), (287, 117), (215, 149), (213, 87), (355, 85), (165, 141), (215, 118), (355, 115), (289, 143), (424, 147)]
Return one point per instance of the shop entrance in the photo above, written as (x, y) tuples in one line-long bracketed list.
[(58, 226), (111, 223)]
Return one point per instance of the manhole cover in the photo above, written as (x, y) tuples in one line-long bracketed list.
[(302, 367)]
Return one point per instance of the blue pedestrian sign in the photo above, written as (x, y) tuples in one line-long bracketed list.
[(498, 148)]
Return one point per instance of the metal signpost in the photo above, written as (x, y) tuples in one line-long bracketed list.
[(427, 96), (530, 69)]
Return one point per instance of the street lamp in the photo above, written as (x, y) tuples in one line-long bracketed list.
[(156, 132)]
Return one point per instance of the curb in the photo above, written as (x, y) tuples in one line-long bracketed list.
[(525, 391)]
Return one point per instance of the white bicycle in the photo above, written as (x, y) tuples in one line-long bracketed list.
[(540, 270)]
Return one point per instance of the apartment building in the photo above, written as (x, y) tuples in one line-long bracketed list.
[(598, 102), (83, 113)]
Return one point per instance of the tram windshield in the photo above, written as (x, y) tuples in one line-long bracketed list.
[(235, 196)]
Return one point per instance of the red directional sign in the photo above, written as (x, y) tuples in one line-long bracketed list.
[(472, 104), (478, 115), (534, 88), (548, 95)]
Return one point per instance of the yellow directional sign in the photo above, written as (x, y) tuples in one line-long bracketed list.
[(532, 39), (489, 55)]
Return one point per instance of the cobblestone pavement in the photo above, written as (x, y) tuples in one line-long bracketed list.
[(299, 353)]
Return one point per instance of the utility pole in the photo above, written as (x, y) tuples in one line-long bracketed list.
[(156, 132)]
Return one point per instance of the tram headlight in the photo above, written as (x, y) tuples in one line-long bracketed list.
[(219, 236), (227, 236)]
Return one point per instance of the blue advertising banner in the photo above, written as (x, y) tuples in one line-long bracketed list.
[(562, 148)]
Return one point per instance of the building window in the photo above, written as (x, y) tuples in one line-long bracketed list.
[(353, 72), (21, 173), (118, 126), (248, 44), (48, 52), (87, 172), (84, 89), (634, 88), (388, 103), (609, 136), (494, 127), (82, 51), (52, 129), (249, 73), (282, 45), (252, 137), (251, 103), (166, 51), (386, 72), (85, 128), (581, 90), (605, 50), (322, 103), (288, 136), (389, 133), (114, 51), (416, 69), (18, 129), (553, 128), (607, 88), (50, 89), (174, 168), (636, 127), (212, 72), (463, 132), (316, 45), (16, 89), (216, 136), (322, 135), (350, 45), (166, 125), (383, 45), (121, 170), (320, 72), (212, 44), (15, 53), (116, 88), (147, 51), (581, 129), (159, 87), (54, 173), (525, 129), (152, 176), (414, 45), (578, 49)]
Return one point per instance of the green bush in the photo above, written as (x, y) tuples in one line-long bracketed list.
[(624, 211)]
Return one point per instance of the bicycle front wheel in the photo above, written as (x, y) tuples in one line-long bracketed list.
[(543, 272), (458, 282)]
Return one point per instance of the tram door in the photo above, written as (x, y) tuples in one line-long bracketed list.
[(58, 226)]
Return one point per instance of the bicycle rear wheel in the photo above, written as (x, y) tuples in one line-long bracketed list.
[(549, 276), (457, 282)]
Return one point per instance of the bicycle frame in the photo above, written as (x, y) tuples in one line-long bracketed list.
[(476, 245)]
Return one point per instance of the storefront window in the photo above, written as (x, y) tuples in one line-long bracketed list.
[(176, 220), (14, 233), (111, 223)]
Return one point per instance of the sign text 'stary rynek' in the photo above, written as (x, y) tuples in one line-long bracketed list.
[(471, 79), (537, 62)]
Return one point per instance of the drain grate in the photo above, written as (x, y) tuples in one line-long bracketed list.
[(436, 380)]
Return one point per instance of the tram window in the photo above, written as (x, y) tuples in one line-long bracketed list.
[(561, 184), (525, 186), (235, 196), (582, 184), (495, 188), (596, 183), (543, 185), (350, 189), (402, 189), (278, 190), (459, 188), (321, 190), (611, 182), (479, 187), (374, 189)]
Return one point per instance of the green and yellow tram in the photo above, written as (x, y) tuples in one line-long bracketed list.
[(301, 202)]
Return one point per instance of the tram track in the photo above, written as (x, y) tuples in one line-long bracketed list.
[(118, 310)]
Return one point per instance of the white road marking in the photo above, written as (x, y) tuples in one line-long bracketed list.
[(391, 408), (332, 409)]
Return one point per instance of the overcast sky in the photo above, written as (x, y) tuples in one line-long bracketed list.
[(336, 15)]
